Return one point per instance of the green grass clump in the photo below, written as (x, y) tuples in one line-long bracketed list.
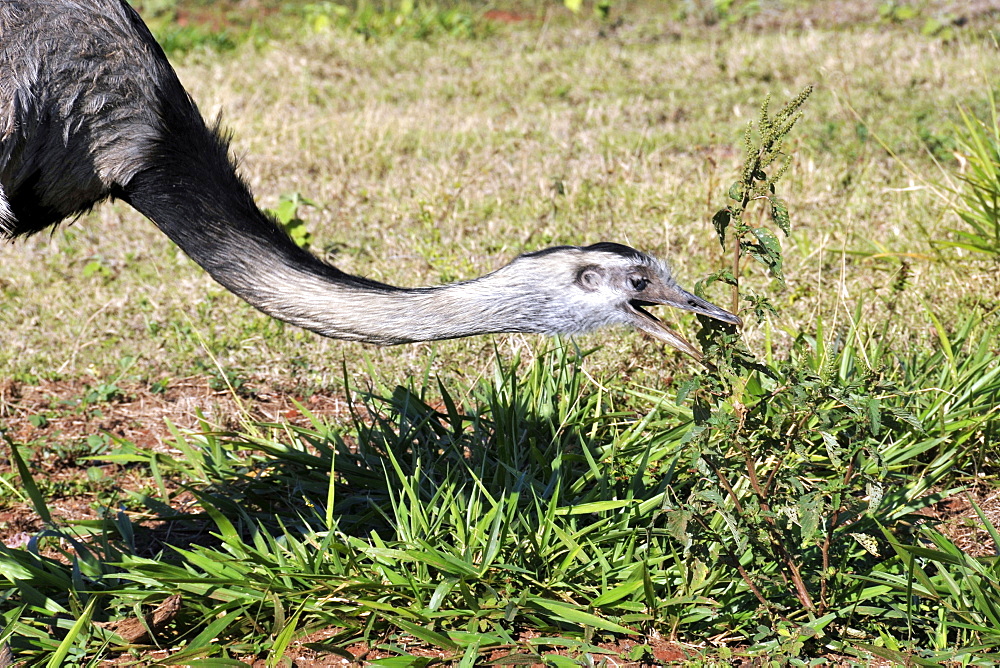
[(547, 501), (978, 186)]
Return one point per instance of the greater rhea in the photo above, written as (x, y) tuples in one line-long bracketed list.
[(90, 108)]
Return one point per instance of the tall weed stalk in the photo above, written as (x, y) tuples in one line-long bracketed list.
[(791, 482)]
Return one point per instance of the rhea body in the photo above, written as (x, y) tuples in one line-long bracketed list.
[(90, 108)]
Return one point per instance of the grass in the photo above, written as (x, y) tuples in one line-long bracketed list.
[(545, 502), (510, 495), (428, 167)]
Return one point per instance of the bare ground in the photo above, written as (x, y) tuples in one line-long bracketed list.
[(138, 415)]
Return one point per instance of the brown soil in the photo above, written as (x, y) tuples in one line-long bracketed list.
[(661, 652), (57, 419), (139, 414), (959, 521)]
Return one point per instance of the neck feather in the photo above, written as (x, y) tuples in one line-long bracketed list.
[(210, 213)]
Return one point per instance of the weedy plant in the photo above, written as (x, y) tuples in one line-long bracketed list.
[(791, 488), (287, 215)]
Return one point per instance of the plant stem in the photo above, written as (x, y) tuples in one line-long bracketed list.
[(750, 583), (737, 235), (825, 549)]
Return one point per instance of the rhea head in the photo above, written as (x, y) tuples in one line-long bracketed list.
[(580, 289)]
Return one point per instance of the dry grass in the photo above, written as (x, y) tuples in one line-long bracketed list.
[(435, 161)]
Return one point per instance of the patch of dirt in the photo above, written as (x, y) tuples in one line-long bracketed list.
[(653, 650), (56, 418), (960, 523), (59, 413), (501, 16), (657, 652), (216, 16)]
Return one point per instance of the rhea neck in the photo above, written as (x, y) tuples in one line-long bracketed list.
[(192, 193)]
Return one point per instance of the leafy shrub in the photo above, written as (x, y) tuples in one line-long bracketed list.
[(801, 469)]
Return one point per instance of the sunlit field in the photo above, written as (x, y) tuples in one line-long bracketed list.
[(822, 489)]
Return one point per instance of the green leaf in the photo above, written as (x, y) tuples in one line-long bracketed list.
[(37, 500), (575, 615), (618, 593), (990, 527), (208, 634), (593, 507), (58, 657), (809, 508), (225, 526), (516, 659), (287, 215), (443, 589), (874, 415), (833, 449), (573, 5), (736, 191), (686, 388), (721, 221), (906, 416), (282, 641), (296, 229), (425, 634), (769, 242), (401, 662), (779, 213), (943, 338), (767, 251)]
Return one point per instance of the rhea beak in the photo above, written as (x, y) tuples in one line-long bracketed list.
[(677, 297)]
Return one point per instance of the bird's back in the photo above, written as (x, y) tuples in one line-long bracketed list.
[(80, 85)]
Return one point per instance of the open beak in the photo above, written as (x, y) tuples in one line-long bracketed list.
[(677, 297)]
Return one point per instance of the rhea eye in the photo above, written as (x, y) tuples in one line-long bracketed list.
[(639, 284)]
